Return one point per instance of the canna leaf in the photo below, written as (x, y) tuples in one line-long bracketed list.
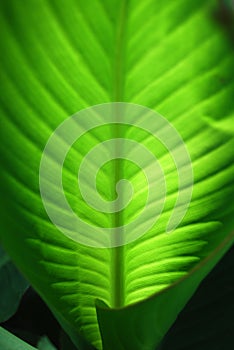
[(61, 57)]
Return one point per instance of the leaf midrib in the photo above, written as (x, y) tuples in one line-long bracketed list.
[(117, 256)]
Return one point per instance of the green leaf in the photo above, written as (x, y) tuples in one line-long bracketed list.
[(134, 327), (172, 57), (12, 287), (9, 341), (45, 344)]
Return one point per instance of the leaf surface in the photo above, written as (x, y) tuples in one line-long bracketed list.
[(175, 58)]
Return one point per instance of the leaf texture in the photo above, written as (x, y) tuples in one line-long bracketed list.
[(60, 57)]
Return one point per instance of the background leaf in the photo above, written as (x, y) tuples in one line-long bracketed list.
[(9, 341), (45, 344), (12, 287)]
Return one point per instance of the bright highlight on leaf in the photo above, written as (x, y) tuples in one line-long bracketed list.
[(173, 57)]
